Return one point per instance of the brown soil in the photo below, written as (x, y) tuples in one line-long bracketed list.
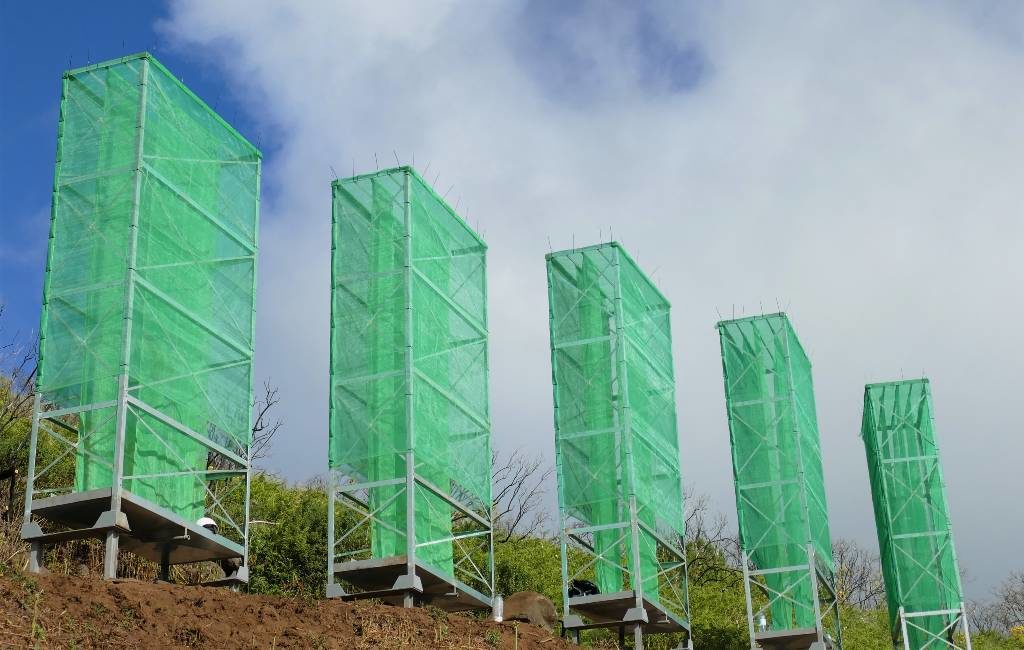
[(61, 612)]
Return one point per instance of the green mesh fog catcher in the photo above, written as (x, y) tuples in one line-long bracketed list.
[(409, 443), (146, 334), (780, 489), (915, 535), (617, 446)]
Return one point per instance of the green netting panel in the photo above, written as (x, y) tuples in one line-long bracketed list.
[(408, 355), (151, 272), (776, 455), (615, 418), (914, 531)]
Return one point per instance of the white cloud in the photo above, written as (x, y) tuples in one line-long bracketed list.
[(860, 163)]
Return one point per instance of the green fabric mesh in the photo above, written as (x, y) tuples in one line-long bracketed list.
[(376, 413), (776, 455), (135, 144), (914, 531), (615, 418)]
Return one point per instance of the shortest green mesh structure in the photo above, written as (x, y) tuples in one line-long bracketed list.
[(409, 415), (617, 445), (776, 455), (915, 535)]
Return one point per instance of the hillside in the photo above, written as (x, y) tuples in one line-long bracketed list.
[(64, 612)]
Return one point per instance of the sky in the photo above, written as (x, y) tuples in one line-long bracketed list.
[(857, 164)]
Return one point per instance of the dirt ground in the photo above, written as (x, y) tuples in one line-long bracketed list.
[(62, 612)]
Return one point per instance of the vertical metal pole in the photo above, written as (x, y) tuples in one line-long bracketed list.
[(487, 403), (564, 547), (638, 637), (165, 563), (750, 604), (903, 628), (812, 564), (626, 432), (33, 444), (967, 632), (802, 481), (248, 497), (410, 525), (410, 464), (252, 345), (331, 485), (490, 559), (636, 578), (111, 550), (331, 495), (111, 546)]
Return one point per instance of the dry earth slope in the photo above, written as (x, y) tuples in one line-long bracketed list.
[(62, 612)]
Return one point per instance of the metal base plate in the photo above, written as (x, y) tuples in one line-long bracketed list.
[(151, 526), (797, 639), (376, 578), (609, 610)]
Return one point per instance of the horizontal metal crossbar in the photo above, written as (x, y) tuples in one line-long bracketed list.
[(785, 569), (174, 424), (356, 487), (452, 502), (48, 415), (936, 612)]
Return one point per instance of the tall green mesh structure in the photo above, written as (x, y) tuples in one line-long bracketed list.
[(617, 446), (780, 490), (409, 414), (915, 535), (146, 335)]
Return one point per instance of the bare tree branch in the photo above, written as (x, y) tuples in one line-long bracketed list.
[(264, 427), (858, 575), (520, 484)]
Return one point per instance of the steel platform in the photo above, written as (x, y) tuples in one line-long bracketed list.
[(610, 610), (147, 529), (796, 639), (385, 578)]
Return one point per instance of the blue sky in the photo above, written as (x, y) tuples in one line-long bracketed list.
[(858, 163)]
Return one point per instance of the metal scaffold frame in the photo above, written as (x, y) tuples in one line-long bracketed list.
[(409, 512), (915, 536), (788, 576), (617, 456), (141, 224)]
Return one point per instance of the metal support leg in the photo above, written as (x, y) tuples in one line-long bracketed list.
[(812, 565), (638, 637), (963, 621), (165, 563), (903, 627), (35, 557), (622, 636), (110, 556), (410, 525), (750, 604)]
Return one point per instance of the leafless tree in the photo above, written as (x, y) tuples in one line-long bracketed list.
[(984, 616), (264, 427), (858, 575), (17, 394), (17, 383), (712, 551), (1010, 601), (520, 483)]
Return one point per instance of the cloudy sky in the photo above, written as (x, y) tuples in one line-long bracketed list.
[(857, 164)]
